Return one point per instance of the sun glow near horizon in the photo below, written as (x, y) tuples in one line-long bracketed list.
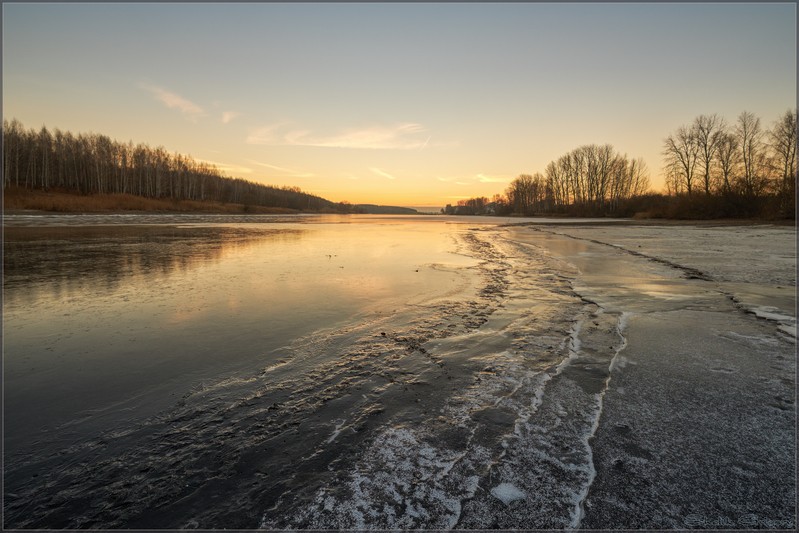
[(400, 104)]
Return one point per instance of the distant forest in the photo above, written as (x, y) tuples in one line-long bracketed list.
[(713, 170), (95, 164)]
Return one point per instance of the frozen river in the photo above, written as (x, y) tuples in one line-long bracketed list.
[(366, 372)]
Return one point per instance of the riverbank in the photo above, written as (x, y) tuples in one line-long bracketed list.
[(22, 201), (26, 202)]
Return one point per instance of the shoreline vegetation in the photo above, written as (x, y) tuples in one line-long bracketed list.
[(111, 175), (20, 202), (714, 171), (17, 200)]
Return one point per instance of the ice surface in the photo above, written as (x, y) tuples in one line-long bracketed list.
[(336, 430), (750, 262), (787, 323), (569, 376), (507, 492), (663, 282), (619, 361)]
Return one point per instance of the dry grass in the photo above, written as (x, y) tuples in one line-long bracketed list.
[(15, 199)]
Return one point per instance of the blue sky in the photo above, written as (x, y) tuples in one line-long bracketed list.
[(411, 104)]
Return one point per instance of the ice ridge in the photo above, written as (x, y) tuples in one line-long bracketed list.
[(579, 511)]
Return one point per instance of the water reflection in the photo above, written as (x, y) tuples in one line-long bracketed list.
[(57, 262), (108, 324)]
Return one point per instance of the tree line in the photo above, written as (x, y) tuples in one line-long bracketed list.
[(589, 180), (738, 168), (712, 169), (95, 164)]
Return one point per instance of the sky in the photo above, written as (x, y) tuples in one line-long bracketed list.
[(416, 104)]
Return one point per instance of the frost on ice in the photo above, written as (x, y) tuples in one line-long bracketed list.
[(507, 492)]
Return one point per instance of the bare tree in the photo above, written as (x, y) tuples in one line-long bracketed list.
[(13, 139), (638, 178), (681, 152), (728, 158), (707, 131), (529, 194), (783, 146), (591, 179), (45, 145), (750, 140)]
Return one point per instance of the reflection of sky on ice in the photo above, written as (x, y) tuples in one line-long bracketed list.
[(751, 254), (118, 309), (754, 265), (702, 393)]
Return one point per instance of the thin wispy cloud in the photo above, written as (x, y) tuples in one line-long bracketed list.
[(267, 165), (266, 135), (174, 101), (456, 181), (289, 171), (483, 178), (382, 173), (228, 116), (229, 169), (408, 136)]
